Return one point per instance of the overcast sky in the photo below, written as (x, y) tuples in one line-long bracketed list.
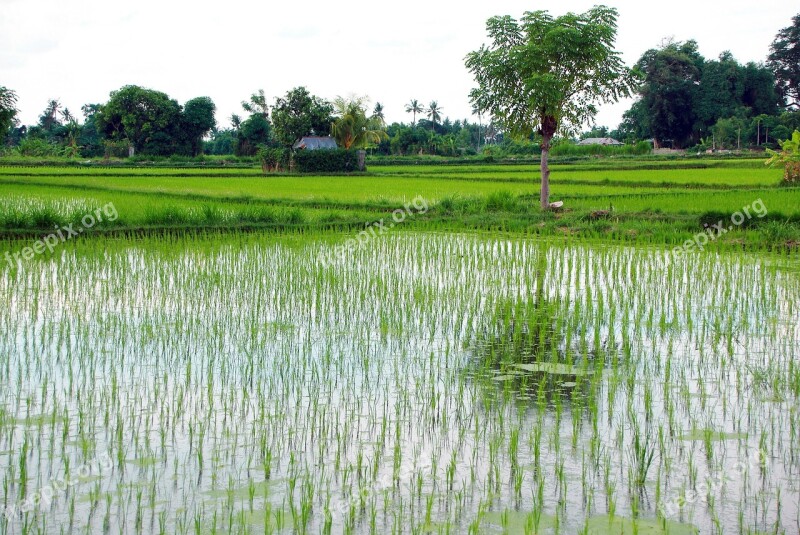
[(392, 51)]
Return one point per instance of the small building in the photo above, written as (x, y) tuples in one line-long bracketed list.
[(315, 143), (601, 141)]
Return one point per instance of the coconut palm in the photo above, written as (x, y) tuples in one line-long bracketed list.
[(377, 112), (414, 107), (352, 129), (434, 113)]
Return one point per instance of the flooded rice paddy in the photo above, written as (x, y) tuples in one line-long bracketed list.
[(426, 383)]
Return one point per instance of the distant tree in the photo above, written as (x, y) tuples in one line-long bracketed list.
[(377, 112), (720, 91), (222, 142), (147, 119), (352, 129), (197, 120), (547, 74), (253, 132), (8, 111), (434, 113), (299, 114), (759, 93), (48, 120), (70, 134), (257, 104), (597, 131), (671, 90), (414, 107), (90, 138), (784, 60)]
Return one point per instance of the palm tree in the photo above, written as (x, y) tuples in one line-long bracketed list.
[(434, 113), (352, 128), (49, 118), (414, 107), (377, 112)]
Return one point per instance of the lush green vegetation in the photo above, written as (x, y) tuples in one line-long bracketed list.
[(260, 343), (646, 200)]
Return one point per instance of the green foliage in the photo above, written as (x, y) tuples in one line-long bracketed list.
[(253, 132), (222, 142), (789, 157), (543, 74), (572, 149), (274, 159), (197, 121), (146, 118), (352, 129), (31, 146), (414, 107), (670, 91), (784, 60), (684, 96), (299, 114), (326, 161), (8, 111)]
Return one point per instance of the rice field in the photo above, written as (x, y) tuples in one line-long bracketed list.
[(425, 382)]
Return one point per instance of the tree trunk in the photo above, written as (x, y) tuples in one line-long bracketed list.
[(544, 197)]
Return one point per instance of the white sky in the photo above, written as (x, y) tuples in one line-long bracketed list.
[(392, 51)]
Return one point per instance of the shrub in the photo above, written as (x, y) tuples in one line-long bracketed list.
[(37, 147), (789, 157), (567, 148), (326, 161), (273, 159)]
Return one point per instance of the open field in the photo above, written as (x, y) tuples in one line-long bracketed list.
[(646, 200)]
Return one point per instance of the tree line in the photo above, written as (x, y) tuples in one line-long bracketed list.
[(683, 100)]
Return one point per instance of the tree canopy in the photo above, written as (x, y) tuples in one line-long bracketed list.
[(144, 117), (684, 96), (784, 60), (8, 111), (299, 114), (198, 121), (353, 129), (543, 74)]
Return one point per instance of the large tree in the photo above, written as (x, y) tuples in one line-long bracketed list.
[(256, 130), (147, 119), (299, 114), (8, 111), (197, 121), (543, 74), (671, 91), (721, 91), (784, 60)]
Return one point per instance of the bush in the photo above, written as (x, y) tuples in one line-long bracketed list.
[(789, 157), (326, 161), (273, 159), (37, 147), (568, 148)]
